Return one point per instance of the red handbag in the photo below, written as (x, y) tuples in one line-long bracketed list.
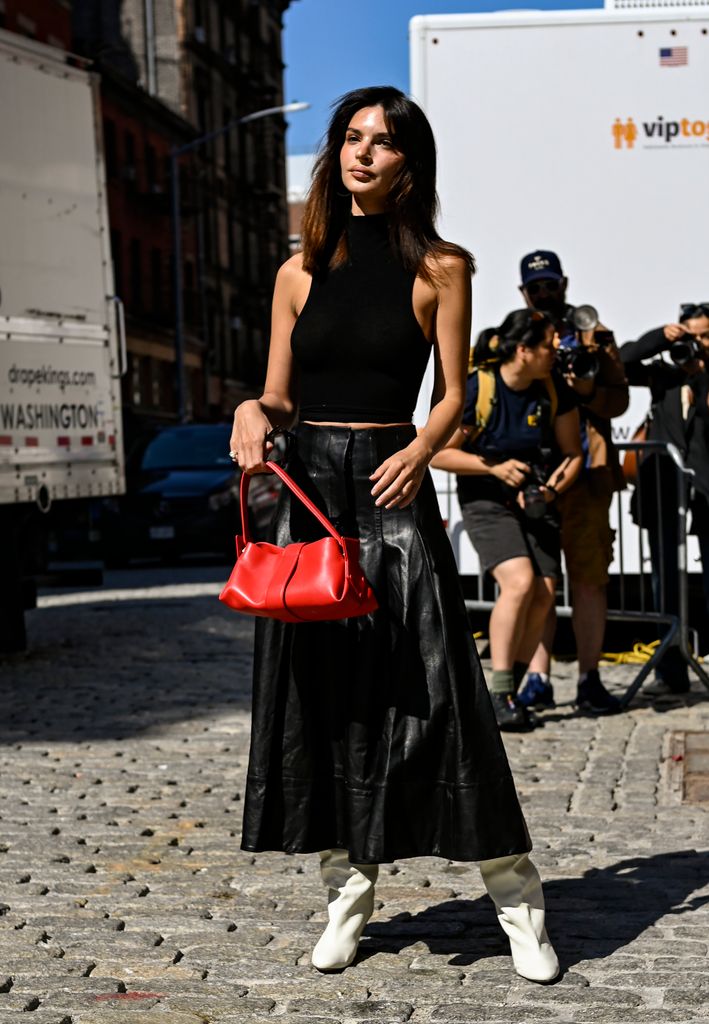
[(302, 582)]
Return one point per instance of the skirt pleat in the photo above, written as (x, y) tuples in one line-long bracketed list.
[(376, 734)]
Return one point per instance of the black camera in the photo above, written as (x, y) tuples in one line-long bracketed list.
[(685, 350), (535, 504), (572, 356)]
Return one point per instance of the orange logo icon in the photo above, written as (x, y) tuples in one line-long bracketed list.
[(624, 133)]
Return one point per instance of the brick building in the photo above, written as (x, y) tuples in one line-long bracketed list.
[(171, 71), (138, 186), (47, 21), (211, 62)]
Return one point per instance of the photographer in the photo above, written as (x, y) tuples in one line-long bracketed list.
[(679, 415), (508, 480), (588, 358)]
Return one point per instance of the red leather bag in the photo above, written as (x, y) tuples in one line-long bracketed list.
[(302, 582)]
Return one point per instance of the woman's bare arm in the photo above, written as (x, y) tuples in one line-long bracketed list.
[(453, 459), (512, 471), (276, 406), (398, 478), (567, 431)]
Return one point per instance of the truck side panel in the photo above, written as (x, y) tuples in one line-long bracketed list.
[(59, 360)]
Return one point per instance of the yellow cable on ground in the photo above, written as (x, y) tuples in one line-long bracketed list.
[(640, 653), (638, 656)]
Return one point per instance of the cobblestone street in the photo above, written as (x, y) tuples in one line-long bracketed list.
[(124, 895)]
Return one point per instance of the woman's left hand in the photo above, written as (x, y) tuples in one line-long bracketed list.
[(399, 477)]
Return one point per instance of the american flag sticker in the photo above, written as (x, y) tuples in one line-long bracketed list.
[(674, 56)]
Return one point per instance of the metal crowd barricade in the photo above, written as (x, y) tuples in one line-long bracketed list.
[(675, 622)]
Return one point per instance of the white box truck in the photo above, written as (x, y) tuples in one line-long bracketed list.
[(62, 344), (584, 132)]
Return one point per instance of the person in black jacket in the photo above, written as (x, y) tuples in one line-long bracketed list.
[(679, 415)]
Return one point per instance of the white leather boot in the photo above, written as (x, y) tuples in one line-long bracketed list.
[(350, 905), (516, 890)]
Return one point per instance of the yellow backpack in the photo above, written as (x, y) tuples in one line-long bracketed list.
[(487, 386)]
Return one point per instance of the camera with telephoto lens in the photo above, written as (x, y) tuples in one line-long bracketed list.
[(685, 350), (572, 356)]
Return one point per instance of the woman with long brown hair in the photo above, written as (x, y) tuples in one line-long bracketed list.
[(373, 738)]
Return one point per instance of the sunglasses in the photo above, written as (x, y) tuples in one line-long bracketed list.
[(691, 309), (546, 284)]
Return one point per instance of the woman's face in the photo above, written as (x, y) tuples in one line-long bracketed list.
[(540, 359), (368, 160), (699, 327)]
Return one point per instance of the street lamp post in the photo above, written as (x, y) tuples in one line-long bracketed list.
[(175, 155)]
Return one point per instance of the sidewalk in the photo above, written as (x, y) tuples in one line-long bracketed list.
[(124, 895)]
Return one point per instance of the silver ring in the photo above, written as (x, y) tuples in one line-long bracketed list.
[(234, 456)]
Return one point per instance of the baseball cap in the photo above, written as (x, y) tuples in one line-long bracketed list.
[(540, 263)]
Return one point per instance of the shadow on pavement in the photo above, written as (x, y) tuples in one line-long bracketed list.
[(116, 669), (566, 710), (588, 918)]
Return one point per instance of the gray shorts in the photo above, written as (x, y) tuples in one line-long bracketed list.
[(500, 531)]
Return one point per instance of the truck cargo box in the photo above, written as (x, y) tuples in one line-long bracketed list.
[(60, 342)]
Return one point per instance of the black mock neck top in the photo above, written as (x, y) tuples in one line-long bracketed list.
[(357, 343)]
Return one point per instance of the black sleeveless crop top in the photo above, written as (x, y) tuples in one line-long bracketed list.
[(359, 348)]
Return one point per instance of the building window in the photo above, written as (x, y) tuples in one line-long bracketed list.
[(155, 382), (226, 118), (145, 375), (237, 235), (249, 158), (129, 168), (232, 360), (136, 275), (200, 24), (222, 30), (202, 97), (156, 277), (26, 26), (109, 144), (207, 226), (117, 256), (151, 168), (253, 258), (189, 293), (211, 338), (167, 383), (134, 377)]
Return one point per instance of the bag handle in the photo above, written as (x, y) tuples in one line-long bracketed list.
[(273, 467)]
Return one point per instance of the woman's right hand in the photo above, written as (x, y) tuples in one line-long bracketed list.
[(248, 445), (512, 472), (673, 332)]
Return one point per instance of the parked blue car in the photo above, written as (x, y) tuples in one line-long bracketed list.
[(182, 498)]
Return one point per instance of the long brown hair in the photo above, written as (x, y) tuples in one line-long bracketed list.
[(412, 201)]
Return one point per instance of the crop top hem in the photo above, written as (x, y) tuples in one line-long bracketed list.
[(335, 414)]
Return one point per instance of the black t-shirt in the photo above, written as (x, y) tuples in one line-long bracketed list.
[(515, 429)]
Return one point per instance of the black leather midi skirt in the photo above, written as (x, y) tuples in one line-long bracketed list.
[(376, 734)]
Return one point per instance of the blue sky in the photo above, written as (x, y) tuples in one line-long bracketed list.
[(331, 46)]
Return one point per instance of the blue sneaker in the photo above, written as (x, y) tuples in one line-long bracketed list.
[(536, 693)]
